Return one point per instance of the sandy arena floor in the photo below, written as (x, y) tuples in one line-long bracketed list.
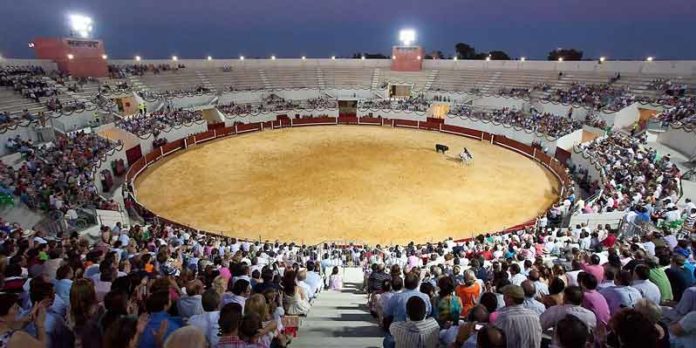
[(346, 183)]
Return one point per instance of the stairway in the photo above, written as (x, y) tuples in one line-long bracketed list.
[(489, 87), (339, 319), (266, 84), (136, 84), (320, 79), (206, 82), (375, 79), (432, 76)]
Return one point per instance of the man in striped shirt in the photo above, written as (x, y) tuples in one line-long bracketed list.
[(418, 331), (520, 325)]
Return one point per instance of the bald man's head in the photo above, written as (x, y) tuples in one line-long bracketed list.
[(529, 288)]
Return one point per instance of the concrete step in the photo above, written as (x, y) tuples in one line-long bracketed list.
[(339, 319)]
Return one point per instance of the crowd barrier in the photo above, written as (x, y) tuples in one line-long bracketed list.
[(553, 165)]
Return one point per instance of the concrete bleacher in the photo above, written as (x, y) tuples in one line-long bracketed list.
[(15, 103), (181, 79), (417, 80), (344, 77), (292, 77), (238, 78)]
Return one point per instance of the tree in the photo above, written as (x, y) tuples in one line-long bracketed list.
[(435, 55), (369, 56), (464, 51), (499, 55), (566, 54)]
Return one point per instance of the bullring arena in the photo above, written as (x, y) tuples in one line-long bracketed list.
[(347, 183)]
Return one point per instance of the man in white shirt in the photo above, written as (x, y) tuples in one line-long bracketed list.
[(647, 288), (208, 321), (572, 301), (516, 276)]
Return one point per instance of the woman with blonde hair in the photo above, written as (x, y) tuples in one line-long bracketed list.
[(220, 284), (256, 304), (186, 337)]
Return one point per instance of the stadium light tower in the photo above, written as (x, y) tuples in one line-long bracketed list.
[(81, 25), (407, 36)]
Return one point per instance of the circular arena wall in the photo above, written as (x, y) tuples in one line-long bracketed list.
[(346, 184)]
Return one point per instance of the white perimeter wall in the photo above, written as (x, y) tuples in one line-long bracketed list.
[(495, 102), (567, 141), (172, 134), (680, 140)]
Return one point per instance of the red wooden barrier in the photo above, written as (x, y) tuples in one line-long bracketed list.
[(205, 136), (248, 127), (313, 120), (371, 120), (405, 123), (348, 119)]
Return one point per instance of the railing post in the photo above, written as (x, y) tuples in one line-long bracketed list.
[(235, 128)]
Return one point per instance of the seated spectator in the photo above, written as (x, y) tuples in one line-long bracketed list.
[(157, 305), (419, 330), (396, 308), (630, 328), (191, 304), (572, 301), (207, 322), (520, 325), (571, 332)]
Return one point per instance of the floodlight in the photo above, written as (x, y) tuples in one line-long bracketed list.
[(241, 57), (175, 58), (105, 57), (602, 59), (333, 57), (363, 57), (560, 59), (31, 45), (393, 57), (210, 58), (522, 59), (80, 25), (70, 56), (418, 57), (407, 36), (650, 59), (137, 58), (272, 57), (303, 57), (488, 59), (454, 58)]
